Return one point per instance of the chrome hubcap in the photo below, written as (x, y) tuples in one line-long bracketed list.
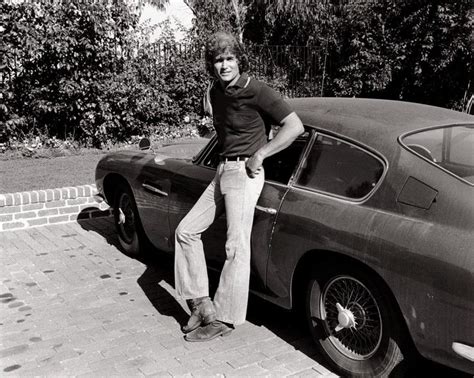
[(345, 318), (122, 217), (126, 219)]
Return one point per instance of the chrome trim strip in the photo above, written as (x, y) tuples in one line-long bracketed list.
[(155, 190), (267, 210), (464, 350)]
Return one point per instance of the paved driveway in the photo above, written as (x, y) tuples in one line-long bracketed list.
[(72, 304)]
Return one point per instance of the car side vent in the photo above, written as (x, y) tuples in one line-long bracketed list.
[(418, 194)]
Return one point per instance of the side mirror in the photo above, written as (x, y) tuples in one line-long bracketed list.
[(144, 144)]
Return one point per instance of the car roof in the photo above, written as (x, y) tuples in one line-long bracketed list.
[(373, 121)]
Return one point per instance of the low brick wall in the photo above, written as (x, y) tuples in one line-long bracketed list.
[(42, 207)]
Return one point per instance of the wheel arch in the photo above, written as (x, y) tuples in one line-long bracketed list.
[(110, 184), (114, 183), (317, 259)]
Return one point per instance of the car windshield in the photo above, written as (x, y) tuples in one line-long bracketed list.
[(451, 148)]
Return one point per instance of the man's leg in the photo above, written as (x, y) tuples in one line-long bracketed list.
[(241, 194), (240, 200), (191, 280)]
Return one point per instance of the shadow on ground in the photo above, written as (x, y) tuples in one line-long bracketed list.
[(159, 269), (290, 326)]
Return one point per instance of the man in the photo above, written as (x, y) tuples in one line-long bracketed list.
[(240, 107)]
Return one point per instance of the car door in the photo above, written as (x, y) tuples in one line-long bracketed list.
[(153, 186), (187, 186), (325, 208), (279, 170)]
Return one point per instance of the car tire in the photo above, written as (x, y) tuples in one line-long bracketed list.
[(353, 323), (127, 221)]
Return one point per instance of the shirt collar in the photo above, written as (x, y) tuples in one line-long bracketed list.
[(241, 81), (239, 84)]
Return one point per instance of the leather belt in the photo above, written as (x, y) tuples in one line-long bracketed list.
[(234, 158)]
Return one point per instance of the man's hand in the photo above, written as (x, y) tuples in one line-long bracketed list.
[(254, 165)]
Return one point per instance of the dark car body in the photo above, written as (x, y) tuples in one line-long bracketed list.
[(401, 219)]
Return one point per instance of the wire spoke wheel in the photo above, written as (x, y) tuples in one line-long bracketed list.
[(353, 318), (127, 221), (353, 322)]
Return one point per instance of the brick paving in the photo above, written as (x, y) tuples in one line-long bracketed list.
[(72, 304)]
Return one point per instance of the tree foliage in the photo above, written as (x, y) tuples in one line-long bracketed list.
[(86, 71), (399, 49), (218, 15), (430, 50), (76, 70), (416, 51)]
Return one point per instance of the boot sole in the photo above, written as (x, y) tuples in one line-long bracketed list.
[(223, 333)]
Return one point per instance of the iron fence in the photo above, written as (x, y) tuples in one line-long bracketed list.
[(293, 70)]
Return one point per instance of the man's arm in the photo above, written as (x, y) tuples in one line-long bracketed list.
[(291, 128)]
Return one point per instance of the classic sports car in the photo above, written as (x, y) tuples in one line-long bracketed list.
[(367, 219)]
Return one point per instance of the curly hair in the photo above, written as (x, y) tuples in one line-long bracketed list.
[(221, 42)]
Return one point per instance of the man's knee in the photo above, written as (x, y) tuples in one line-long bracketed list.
[(237, 251), (183, 234)]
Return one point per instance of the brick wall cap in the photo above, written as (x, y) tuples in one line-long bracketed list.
[(33, 196), (15, 215)]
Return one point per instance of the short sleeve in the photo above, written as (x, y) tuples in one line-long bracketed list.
[(272, 104)]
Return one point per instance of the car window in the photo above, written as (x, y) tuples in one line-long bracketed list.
[(279, 167), (450, 148), (340, 168)]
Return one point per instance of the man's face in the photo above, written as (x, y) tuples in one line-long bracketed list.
[(226, 67)]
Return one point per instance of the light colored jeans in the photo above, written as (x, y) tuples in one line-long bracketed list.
[(234, 192)]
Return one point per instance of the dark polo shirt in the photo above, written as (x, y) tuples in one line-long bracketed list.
[(243, 113)]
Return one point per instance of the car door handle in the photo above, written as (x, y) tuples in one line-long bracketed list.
[(267, 210), (155, 190)]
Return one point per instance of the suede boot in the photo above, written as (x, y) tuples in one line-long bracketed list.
[(209, 332), (202, 313)]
